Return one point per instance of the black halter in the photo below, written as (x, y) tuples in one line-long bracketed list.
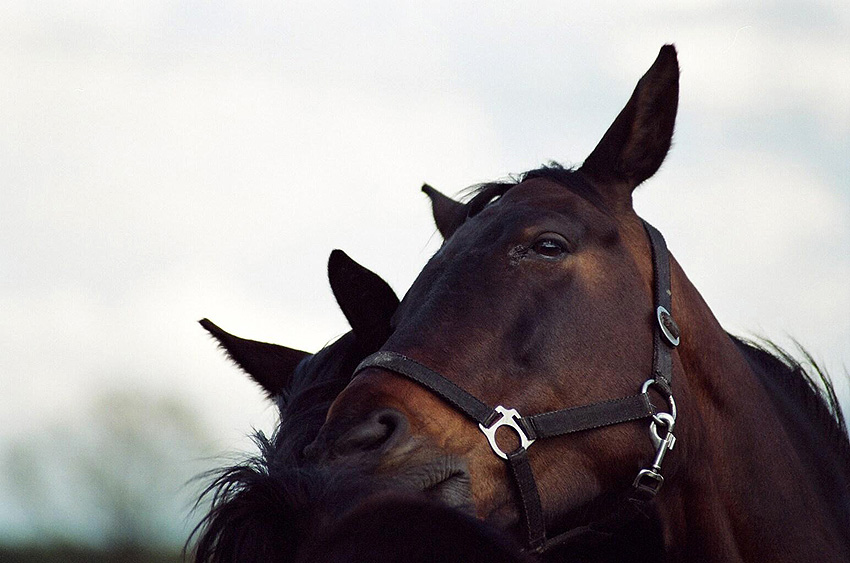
[(575, 419)]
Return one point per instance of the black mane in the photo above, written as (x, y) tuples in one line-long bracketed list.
[(812, 388), (263, 508), (807, 404), (481, 194)]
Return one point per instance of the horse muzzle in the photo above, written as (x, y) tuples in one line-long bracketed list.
[(381, 445)]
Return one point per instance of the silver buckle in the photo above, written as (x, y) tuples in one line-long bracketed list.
[(662, 315), (509, 418)]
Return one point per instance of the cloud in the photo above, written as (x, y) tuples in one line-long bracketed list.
[(163, 162)]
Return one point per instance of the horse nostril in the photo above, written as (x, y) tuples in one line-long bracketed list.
[(380, 429)]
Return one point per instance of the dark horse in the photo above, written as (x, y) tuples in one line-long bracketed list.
[(278, 507), (550, 295)]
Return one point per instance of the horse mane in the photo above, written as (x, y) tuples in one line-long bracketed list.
[(811, 388), (317, 381), (265, 511), (804, 395), (479, 195)]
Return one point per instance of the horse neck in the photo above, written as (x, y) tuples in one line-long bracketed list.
[(736, 489)]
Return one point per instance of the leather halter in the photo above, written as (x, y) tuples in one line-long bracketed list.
[(575, 419)]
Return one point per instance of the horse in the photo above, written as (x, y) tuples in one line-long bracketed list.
[(277, 507), (629, 424), (265, 508)]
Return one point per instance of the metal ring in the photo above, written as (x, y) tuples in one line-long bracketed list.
[(509, 418), (660, 314), (669, 398)]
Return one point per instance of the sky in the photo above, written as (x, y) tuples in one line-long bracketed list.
[(162, 162)]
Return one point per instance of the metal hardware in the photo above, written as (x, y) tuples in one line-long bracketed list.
[(668, 326), (651, 479), (669, 398), (509, 418), (662, 445)]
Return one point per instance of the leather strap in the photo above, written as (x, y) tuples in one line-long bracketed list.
[(587, 417), (429, 379), (662, 359), (545, 425), (535, 525)]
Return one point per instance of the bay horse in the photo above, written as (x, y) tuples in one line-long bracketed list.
[(267, 507), (277, 507), (630, 425)]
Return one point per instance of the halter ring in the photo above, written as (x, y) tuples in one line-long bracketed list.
[(509, 418), (669, 398)]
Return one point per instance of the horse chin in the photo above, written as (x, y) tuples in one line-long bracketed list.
[(445, 480), (453, 491)]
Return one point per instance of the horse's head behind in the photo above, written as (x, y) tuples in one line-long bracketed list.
[(269, 506), (541, 298)]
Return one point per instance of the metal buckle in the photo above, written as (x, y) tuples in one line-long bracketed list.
[(509, 418), (668, 326)]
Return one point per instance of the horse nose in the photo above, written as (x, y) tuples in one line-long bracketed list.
[(378, 431)]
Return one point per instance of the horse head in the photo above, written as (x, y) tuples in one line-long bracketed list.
[(551, 298), (538, 300)]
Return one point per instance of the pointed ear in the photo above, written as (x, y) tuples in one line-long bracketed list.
[(448, 213), (366, 300), (270, 365), (635, 145)]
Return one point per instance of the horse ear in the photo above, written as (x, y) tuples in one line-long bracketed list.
[(366, 300), (270, 365), (635, 145), (448, 213)]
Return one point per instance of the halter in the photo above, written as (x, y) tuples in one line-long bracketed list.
[(648, 481)]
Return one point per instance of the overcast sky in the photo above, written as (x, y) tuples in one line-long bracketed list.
[(161, 162)]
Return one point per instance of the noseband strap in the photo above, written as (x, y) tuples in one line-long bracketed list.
[(545, 425), (574, 419)]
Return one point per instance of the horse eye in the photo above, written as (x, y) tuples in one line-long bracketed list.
[(549, 247)]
